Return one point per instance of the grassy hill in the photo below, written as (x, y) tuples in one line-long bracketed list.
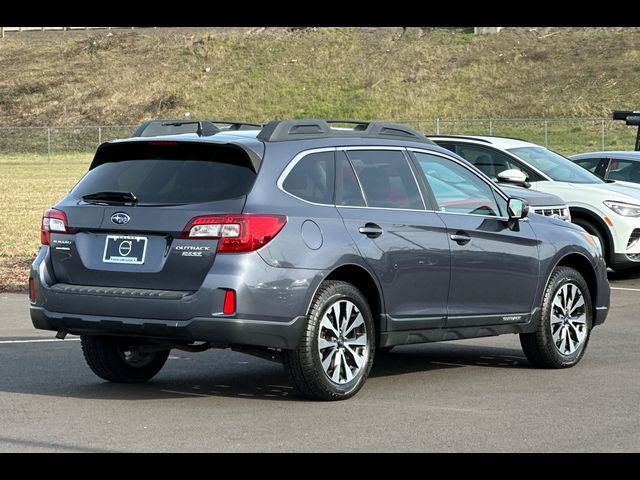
[(125, 76)]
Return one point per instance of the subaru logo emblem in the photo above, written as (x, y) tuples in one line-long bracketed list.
[(120, 218)]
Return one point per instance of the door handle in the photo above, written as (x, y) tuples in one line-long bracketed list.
[(371, 230), (460, 238)]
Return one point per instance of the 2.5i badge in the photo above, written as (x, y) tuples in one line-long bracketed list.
[(124, 249)]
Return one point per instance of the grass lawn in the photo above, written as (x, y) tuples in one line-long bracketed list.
[(30, 184)]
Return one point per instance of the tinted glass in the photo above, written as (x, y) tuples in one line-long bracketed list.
[(386, 179), (590, 164), (555, 166), (491, 162), (348, 191), (170, 174), (448, 146), (312, 178), (624, 170), (456, 189)]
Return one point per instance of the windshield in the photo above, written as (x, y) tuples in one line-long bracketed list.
[(555, 166)]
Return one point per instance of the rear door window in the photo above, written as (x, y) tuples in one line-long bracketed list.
[(492, 162), (590, 164), (348, 192), (386, 179), (624, 170), (170, 174), (312, 178)]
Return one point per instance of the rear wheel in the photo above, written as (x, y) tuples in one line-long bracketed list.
[(121, 359), (335, 354), (565, 324)]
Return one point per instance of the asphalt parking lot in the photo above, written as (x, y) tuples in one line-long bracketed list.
[(475, 395)]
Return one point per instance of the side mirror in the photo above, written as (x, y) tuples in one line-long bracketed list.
[(515, 177), (517, 209)]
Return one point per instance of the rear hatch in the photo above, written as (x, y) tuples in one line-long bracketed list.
[(127, 215)]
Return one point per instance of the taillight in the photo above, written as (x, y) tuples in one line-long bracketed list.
[(235, 233), (52, 221)]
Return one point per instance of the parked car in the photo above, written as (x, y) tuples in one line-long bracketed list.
[(610, 211), (308, 244), (619, 166)]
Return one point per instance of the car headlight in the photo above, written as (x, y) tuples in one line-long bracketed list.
[(624, 209)]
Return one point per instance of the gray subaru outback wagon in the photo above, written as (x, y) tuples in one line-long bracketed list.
[(312, 244)]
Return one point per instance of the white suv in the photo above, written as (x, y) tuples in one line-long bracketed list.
[(608, 210)]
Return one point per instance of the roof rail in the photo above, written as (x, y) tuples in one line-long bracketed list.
[(460, 136), (477, 139), (232, 125), (283, 130)]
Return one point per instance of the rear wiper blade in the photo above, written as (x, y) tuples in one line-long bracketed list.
[(126, 197)]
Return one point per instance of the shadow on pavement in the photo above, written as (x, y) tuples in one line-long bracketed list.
[(230, 374), (622, 275)]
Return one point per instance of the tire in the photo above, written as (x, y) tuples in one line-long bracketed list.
[(567, 348), (337, 307), (108, 359)]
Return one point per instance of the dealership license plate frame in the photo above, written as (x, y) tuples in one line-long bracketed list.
[(118, 241)]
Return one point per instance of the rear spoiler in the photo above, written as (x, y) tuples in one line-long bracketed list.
[(140, 149)]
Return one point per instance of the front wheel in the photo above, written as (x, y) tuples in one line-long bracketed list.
[(121, 359), (335, 354), (565, 325)]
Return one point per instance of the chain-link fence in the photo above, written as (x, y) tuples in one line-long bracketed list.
[(51, 142), (566, 136)]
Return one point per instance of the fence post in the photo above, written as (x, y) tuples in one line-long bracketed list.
[(490, 127), (602, 131), (99, 136), (546, 134), (437, 126), (49, 143)]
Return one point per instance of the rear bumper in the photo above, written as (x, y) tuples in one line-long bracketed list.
[(224, 331)]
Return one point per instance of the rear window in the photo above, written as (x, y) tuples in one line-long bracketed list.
[(312, 178), (170, 173)]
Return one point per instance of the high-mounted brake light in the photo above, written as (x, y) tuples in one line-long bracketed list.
[(162, 142), (235, 233), (52, 221)]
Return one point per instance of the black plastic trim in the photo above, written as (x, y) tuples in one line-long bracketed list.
[(230, 331)]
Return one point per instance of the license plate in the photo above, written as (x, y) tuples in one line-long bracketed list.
[(124, 249)]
